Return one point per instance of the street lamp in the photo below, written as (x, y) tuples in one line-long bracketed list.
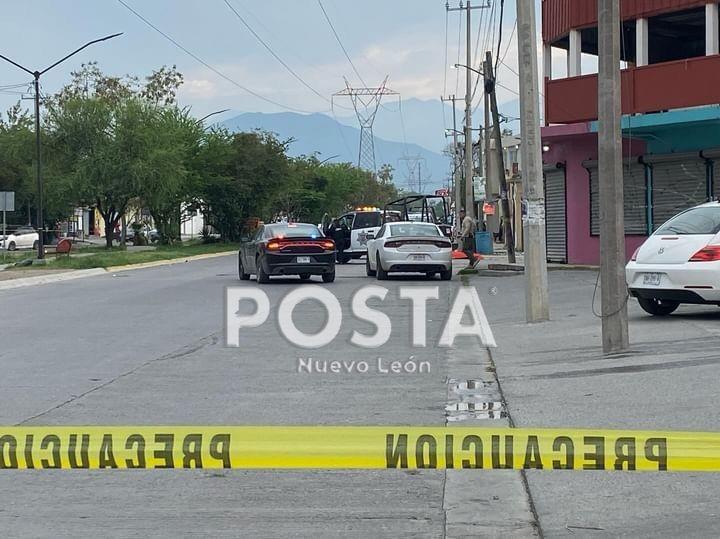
[(455, 66), (36, 76), (201, 120), (328, 159)]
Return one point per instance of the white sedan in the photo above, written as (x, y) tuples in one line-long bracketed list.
[(409, 247), (679, 263), (22, 238)]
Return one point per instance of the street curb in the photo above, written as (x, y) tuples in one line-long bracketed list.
[(92, 272), (169, 262), (53, 278)]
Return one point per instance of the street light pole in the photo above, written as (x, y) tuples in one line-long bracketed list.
[(36, 83)]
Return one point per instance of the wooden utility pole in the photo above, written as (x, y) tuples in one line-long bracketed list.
[(537, 307), (504, 194), (612, 218)]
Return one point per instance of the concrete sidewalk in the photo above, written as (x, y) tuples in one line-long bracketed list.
[(554, 374)]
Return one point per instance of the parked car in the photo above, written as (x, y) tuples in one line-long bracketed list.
[(409, 246), (351, 232), (679, 263), (23, 237), (287, 249)]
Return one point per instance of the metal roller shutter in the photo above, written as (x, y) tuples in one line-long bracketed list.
[(555, 215), (634, 192), (679, 182)]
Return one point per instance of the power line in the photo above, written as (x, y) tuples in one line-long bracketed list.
[(337, 37), (269, 49), (502, 11), (207, 65), (507, 48)]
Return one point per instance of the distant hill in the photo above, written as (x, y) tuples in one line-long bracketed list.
[(321, 134)]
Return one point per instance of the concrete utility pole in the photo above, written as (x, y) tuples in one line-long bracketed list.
[(504, 193), (612, 218), (457, 197), (469, 173), (537, 307)]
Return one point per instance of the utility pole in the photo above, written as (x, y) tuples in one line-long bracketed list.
[(469, 173), (537, 307), (612, 218), (504, 194), (456, 184)]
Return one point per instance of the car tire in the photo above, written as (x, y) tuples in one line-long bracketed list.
[(304, 276), (328, 277), (658, 307), (241, 271), (12, 246), (36, 243), (262, 277), (368, 270), (382, 275), (446, 275)]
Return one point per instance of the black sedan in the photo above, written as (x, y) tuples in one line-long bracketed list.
[(287, 249)]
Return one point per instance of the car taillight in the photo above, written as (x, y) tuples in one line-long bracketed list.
[(273, 246), (443, 244), (711, 253), (633, 258), (393, 244), (328, 245)]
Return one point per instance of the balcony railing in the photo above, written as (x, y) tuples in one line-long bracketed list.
[(671, 85)]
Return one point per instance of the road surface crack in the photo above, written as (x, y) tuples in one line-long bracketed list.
[(175, 354)]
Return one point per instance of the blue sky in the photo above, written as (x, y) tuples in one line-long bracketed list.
[(402, 38)]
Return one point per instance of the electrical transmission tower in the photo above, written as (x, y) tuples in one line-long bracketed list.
[(366, 101), (413, 177)]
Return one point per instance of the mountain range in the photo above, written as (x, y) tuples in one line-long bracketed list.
[(417, 133)]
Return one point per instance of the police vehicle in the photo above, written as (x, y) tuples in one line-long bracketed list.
[(352, 230)]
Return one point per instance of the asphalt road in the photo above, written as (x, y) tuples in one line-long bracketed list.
[(147, 347)]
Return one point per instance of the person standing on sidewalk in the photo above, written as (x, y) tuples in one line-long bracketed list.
[(467, 237)]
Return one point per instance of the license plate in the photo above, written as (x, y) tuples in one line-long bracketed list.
[(651, 279), (303, 259), (418, 257)]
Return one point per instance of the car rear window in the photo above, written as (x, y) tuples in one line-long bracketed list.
[(703, 220), (414, 229), (294, 230), (367, 220)]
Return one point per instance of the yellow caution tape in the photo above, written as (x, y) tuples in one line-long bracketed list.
[(109, 447)]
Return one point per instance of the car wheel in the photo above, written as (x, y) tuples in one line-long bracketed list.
[(368, 270), (328, 277), (262, 277), (304, 276), (658, 307), (382, 275), (446, 275), (12, 246), (241, 271), (36, 243)]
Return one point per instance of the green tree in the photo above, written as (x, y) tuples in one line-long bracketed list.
[(241, 175)]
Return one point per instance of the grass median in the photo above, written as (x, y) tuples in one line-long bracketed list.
[(122, 257)]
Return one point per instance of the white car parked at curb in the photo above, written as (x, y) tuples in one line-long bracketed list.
[(679, 263), (22, 238)]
